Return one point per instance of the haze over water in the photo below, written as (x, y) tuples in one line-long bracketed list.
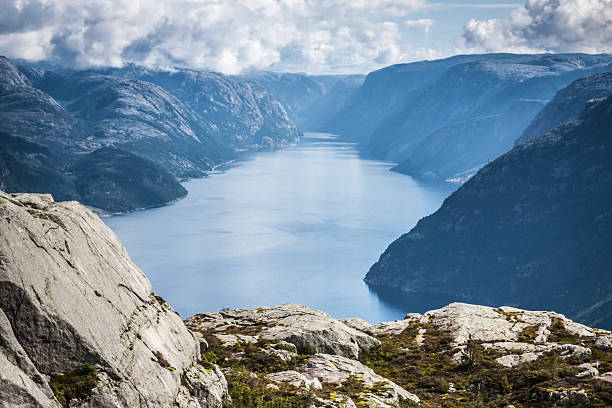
[(300, 225)]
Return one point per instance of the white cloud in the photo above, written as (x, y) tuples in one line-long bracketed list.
[(422, 23), (225, 35), (544, 26)]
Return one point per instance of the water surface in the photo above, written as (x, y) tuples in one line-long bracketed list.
[(300, 225)]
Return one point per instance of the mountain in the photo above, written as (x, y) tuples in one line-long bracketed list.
[(108, 179), (533, 228), (567, 104), (117, 181), (28, 112), (242, 116), (143, 118), (174, 124), (446, 118), (311, 100), (27, 166), (80, 326)]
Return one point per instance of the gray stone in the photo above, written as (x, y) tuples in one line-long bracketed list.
[(70, 295), (512, 360), (296, 324), (572, 351), (295, 378), (603, 343), (336, 369), (568, 398), (504, 324), (590, 370)]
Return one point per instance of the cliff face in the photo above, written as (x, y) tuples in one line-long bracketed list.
[(310, 100), (71, 297), (532, 228), (568, 104), (143, 118), (444, 119), (240, 115)]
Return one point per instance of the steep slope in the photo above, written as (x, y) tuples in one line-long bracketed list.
[(77, 316), (416, 114), (141, 117), (28, 112), (27, 166), (242, 116), (567, 104), (117, 181), (107, 179), (311, 100), (41, 140), (532, 228)]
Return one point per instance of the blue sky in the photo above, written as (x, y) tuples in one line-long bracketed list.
[(315, 36), (449, 19)]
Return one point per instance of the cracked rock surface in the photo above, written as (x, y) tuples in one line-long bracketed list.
[(70, 296), (292, 323)]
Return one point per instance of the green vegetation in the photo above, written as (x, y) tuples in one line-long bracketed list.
[(428, 371), (76, 384), (161, 360), (248, 391), (439, 373)]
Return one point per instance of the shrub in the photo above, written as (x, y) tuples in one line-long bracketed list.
[(76, 384)]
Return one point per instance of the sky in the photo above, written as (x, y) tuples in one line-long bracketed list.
[(313, 36)]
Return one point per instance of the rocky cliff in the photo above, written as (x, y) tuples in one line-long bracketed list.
[(532, 228), (444, 119), (78, 320), (568, 104)]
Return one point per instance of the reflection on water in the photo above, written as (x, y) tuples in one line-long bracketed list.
[(300, 225), (395, 299)]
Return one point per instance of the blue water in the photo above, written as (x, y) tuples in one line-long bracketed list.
[(300, 225)]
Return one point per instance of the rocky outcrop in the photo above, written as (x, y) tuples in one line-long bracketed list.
[(380, 392), (70, 297), (531, 229), (307, 329)]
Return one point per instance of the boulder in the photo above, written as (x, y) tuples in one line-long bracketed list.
[(294, 378), (71, 296), (590, 370), (603, 343), (296, 324), (512, 360), (335, 369), (503, 324)]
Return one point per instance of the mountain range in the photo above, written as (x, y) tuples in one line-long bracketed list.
[(444, 119), (174, 124)]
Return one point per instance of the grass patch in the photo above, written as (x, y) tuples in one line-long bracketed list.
[(76, 384), (251, 392), (161, 360), (479, 381)]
